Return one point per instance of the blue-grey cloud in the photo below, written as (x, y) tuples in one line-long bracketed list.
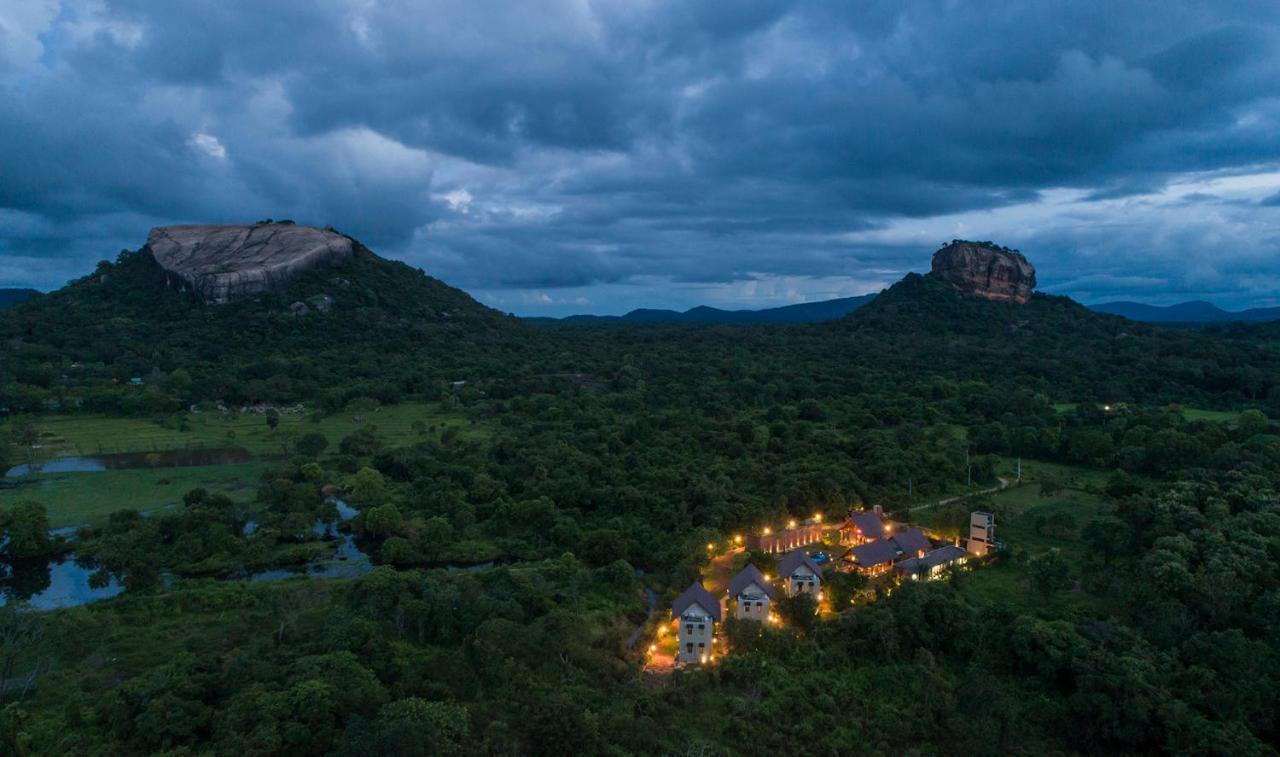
[(626, 152)]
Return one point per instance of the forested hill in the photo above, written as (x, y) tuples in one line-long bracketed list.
[(1052, 344), (354, 326)]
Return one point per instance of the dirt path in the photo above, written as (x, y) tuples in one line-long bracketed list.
[(1004, 484)]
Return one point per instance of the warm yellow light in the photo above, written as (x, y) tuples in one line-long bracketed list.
[(662, 631), (821, 596), (737, 539), (653, 647), (704, 658), (791, 524), (817, 517), (888, 527), (710, 545), (767, 530)]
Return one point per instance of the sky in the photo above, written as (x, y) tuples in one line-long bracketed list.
[(572, 156)]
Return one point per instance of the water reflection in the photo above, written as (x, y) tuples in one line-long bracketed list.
[(349, 561), (54, 584)]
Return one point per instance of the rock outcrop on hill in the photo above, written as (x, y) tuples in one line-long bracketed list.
[(225, 263), (984, 270)]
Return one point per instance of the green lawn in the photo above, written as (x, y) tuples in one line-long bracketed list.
[(1029, 524), (64, 435), (1217, 416), (1188, 413), (76, 498)]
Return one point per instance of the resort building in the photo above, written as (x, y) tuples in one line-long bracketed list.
[(876, 557), (863, 526), (982, 533), (799, 574), (793, 536), (932, 564), (697, 612), (752, 593)]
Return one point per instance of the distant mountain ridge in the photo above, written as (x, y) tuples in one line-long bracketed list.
[(804, 312), (1196, 311), (13, 296)]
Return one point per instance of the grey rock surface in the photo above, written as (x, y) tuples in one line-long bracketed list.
[(225, 263), (981, 270)]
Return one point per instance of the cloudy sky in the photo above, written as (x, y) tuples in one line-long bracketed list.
[(577, 156)]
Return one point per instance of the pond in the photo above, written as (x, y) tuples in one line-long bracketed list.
[(177, 458), (349, 561), (64, 582), (53, 584)]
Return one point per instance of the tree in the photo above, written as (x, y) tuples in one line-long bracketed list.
[(361, 443), (1049, 572), (27, 526), (434, 534), (383, 520), (368, 488), (312, 444), (799, 612), (843, 587), (413, 726), (1251, 423), (273, 418)]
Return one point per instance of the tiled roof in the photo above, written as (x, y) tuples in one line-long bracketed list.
[(747, 576), (868, 523), (912, 541), (695, 594), (940, 556), (794, 559), (874, 553)]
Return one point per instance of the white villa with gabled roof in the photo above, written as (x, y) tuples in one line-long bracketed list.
[(752, 594), (697, 612), (799, 574)]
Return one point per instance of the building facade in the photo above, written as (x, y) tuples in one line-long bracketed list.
[(697, 613), (752, 595), (800, 574), (982, 533)]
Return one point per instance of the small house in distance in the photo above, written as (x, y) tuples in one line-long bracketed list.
[(698, 612), (752, 593), (794, 535), (932, 563), (982, 533), (799, 574)]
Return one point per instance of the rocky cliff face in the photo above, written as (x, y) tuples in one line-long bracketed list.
[(225, 263), (985, 271)]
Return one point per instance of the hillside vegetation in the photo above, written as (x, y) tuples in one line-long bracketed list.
[(1134, 610)]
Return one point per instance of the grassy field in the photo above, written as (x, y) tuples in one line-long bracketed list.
[(1188, 413), (88, 498), (86, 434), (1030, 523)]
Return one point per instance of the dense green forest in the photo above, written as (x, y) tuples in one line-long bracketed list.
[(594, 464)]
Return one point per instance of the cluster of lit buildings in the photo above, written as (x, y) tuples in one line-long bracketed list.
[(875, 547)]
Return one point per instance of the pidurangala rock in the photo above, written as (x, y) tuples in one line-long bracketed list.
[(225, 263), (983, 270)]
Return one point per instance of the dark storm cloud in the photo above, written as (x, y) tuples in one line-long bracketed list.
[(605, 147)]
